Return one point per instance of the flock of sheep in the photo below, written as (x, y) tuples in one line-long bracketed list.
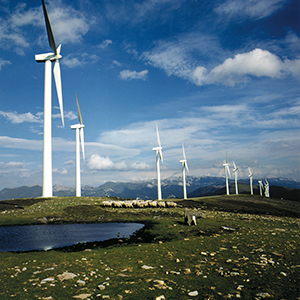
[(138, 204)]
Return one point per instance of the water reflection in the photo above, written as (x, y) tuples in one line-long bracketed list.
[(45, 237)]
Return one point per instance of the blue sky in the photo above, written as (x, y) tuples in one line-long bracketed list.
[(215, 75)]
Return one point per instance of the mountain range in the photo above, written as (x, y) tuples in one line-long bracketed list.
[(171, 188)]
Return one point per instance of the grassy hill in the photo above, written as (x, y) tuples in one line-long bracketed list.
[(242, 247)]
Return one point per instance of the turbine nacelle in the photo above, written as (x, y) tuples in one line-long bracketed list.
[(226, 165), (77, 126), (235, 168)]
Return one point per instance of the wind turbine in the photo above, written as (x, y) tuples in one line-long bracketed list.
[(251, 180), (47, 58), (267, 191), (260, 187), (235, 169), (78, 127), (227, 172), (158, 158), (184, 168)]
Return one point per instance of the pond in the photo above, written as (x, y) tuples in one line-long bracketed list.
[(46, 237)]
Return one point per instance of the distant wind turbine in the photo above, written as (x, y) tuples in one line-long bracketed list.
[(158, 158), (251, 180), (267, 190), (235, 169), (78, 127), (227, 173), (47, 58), (260, 187), (184, 168)]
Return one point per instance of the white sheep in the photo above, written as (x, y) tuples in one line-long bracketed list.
[(152, 203), (171, 204), (161, 203), (106, 203)]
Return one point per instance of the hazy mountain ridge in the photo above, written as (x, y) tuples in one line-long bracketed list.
[(171, 188)]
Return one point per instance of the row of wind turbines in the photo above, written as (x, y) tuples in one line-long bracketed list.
[(159, 157), (262, 187), (48, 58)]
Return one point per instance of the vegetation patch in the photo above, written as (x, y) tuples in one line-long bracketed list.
[(226, 255)]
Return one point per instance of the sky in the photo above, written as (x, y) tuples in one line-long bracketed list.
[(217, 76)]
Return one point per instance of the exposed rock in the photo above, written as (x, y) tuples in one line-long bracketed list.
[(65, 276), (145, 267), (49, 279), (101, 287), (193, 294), (81, 282), (82, 296), (162, 297)]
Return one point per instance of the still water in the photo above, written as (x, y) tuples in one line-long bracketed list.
[(45, 237)]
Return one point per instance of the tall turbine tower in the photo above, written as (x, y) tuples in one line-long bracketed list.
[(184, 168), (227, 173), (158, 158), (235, 169), (251, 180), (47, 58), (78, 127), (260, 187)]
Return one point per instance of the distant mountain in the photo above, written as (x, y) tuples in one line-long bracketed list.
[(21, 192), (171, 188)]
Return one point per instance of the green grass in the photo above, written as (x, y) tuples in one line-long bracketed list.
[(257, 260)]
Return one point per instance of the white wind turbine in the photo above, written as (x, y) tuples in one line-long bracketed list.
[(260, 187), (235, 169), (78, 127), (227, 173), (184, 168), (267, 191), (158, 158), (47, 58), (251, 180)]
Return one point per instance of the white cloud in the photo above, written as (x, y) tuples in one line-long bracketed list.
[(68, 24), (255, 63), (16, 118), (105, 44), (78, 60), (115, 63), (97, 162), (254, 9), (16, 143), (63, 171), (11, 165), (128, 75), (4, 62)]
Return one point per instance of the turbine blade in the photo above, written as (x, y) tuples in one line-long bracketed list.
[(82, 142), (160, 155), (49, 29), (158, 140), (57, 77), (234, 165), (183, 151), (78, 110), (226, 157), (228, 170), (186, 166)]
